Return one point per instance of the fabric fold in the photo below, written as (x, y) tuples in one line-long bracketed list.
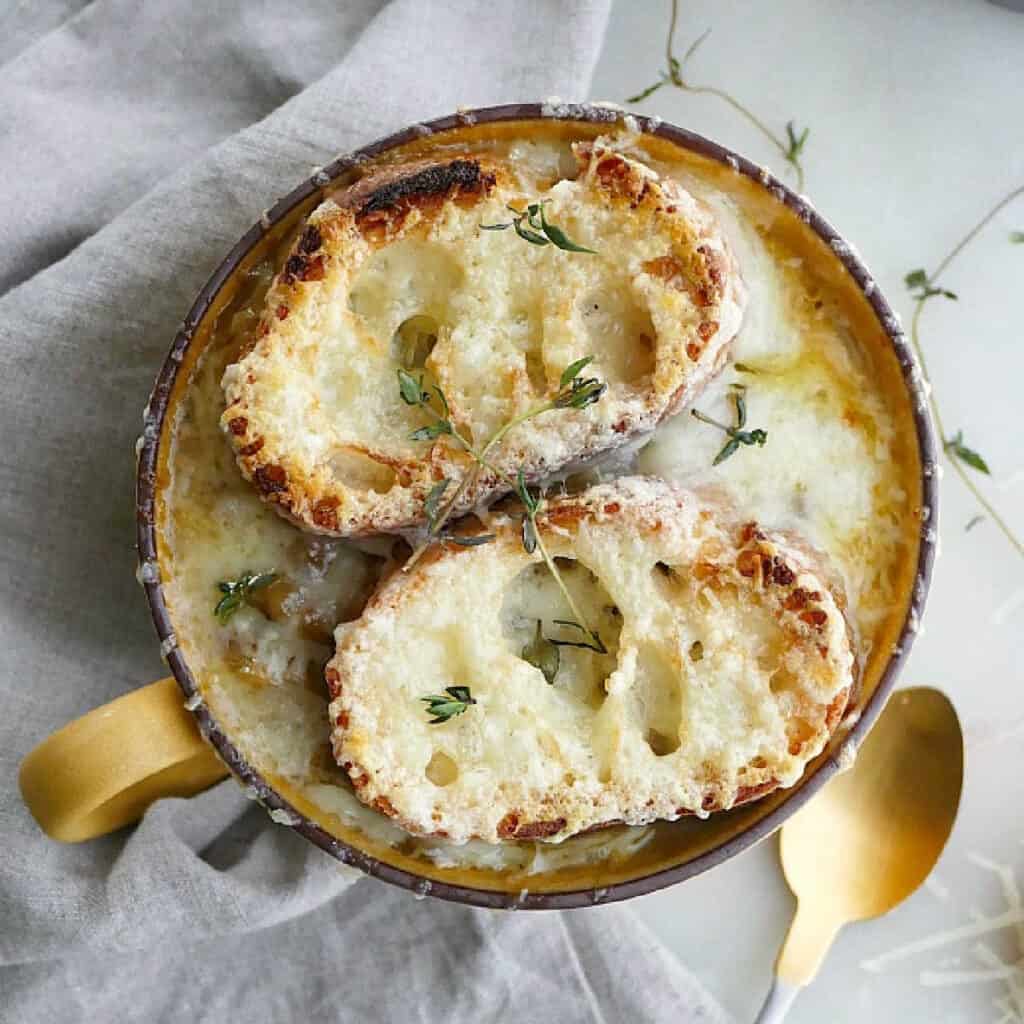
[(122, 207)]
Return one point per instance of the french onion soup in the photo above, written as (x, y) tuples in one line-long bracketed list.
[(537, 504)]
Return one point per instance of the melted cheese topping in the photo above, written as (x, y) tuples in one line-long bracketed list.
[(830, 467), (492, 321), (654, 728), (839, 465)]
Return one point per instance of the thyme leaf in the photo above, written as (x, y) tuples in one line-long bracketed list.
[(729, 449), (580, 394), (559, 238), (649, 91), (530, 503), (739, 397), (469, 540), (526, 234), (593, 641), (539, 230), (572, 371), (542, 654), (955, 446), (921, 286), (529, 535), (454, 701), (235, 593), (431, 431), (409, 388), (433, 501), (796, 143), (1017, 237)]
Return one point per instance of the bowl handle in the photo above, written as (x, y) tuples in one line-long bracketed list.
[(103, 770)]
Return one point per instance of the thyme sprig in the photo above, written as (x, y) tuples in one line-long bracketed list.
[(543, 231), (923, 287), (235, 593), (454, 701), (955, 446), (737, 435), (791, 148), (575, 391), (533, 505)]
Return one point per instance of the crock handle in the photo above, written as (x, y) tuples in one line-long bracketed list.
[(103, 770)]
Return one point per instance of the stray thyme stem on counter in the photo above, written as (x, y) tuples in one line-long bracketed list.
[(791, 148), (923, 287)]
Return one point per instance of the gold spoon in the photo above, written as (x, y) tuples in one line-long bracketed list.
[(872, 835)]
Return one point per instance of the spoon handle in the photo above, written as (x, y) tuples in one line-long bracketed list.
[(808, 940), (780, 999)]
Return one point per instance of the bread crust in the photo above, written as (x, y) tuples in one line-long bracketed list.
[(746, 711), (312, 405)]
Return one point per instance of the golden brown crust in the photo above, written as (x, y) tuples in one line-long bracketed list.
[(291, 450)]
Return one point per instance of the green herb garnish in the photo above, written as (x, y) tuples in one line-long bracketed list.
[(574, 392), (532, 541), (737, 435), (543, 232), (469, 540), (592, 642), (542, 654), (411, 389), (432, 504), (238, 592), (955, 446), (921, 286), (973, 522), (674, 73), (1017, 237), (796, 143), (455, 701)]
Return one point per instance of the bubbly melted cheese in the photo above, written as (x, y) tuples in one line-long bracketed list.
[(839, 466)]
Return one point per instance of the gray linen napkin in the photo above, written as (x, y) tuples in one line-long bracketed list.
[(128, 144)]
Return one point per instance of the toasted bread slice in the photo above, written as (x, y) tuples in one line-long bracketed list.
[(398, 271), (729, 663)]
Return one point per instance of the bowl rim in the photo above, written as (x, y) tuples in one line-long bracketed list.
[(146, 488)]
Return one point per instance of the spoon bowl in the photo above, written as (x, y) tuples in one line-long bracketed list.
[(873, 834)]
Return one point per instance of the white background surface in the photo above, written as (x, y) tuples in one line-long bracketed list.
[(916, 111)]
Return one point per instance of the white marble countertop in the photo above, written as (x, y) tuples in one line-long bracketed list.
[(916, 113)]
